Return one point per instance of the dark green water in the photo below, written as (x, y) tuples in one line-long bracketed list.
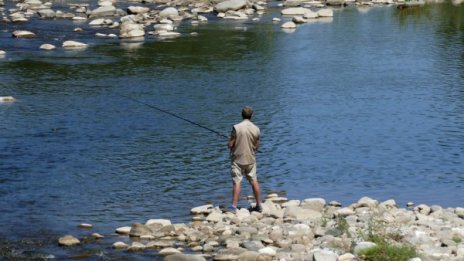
[(370, 103)]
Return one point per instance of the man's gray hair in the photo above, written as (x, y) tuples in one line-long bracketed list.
[(247, 112)]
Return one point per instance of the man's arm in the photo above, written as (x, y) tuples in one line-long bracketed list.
[(257, 144), (231, 142)]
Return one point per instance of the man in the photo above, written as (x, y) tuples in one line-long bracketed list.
[(243, 144)]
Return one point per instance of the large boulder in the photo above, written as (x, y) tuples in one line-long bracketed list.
[(230, 5)]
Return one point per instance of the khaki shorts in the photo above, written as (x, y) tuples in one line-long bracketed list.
[(238, 171)]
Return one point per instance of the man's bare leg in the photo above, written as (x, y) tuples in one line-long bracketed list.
[(256, 191), (235, 194)]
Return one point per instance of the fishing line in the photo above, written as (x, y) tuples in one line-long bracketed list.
[(169, 113)]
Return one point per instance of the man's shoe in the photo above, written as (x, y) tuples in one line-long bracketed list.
[(231, 209), (257, 208)]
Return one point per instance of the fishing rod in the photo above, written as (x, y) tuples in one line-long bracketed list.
[(169, 113)]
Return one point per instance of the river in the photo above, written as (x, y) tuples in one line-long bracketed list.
[(369, 103)]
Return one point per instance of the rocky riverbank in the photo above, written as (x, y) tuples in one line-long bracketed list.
[(309, 229), (137, 19)]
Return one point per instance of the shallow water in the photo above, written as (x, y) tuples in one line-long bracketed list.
[(369, 103)]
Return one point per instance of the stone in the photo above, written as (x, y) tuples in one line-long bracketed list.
[(388, 204), (312, 15), (362, 246), (335, 2), (68, 240), (248, 256), (160, 244), (137, 10), (325, 12), (423, 209), (103, 11), (316, 204), (169, 12), (123, 230), (268, 251), (288, 25), (184, 257), (7, 98), (324, 255), (344, 212), (74, 44), (158, 222), (47, 47), (168, 27), (215, 217), (136, 246), (46, 13), (230, 5), (300, 213), (138, 230), (97, 22), (97, 236), (169, 251), (253, 245), (23, 34), (347, 257), (131, 30), (295, 11), (298, 20), (459, 212), (82, 225), (205, 209), (120, 245)]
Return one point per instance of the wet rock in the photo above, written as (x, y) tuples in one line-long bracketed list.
[(298, 20), (137, 10), (68, 240), (136, 246), (82, 225), (123, 230), (23, 34), (97, 236), (74, 44), (46, 13), (51, 47), (120, 245), (288, 25), (325, 12)]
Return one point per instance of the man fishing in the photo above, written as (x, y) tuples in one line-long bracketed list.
[(243, 144)]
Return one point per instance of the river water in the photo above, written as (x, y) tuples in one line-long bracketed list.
[(369, 103)]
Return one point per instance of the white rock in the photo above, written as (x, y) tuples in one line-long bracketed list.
[(23, 34), (347, 257), (46, 13), (230, 5), (298, 20), (120, 245), (137, 9), (295, 11), (97, 235), (137, 246), (268, 251), (131, 30), (344, 212), (170, 27), (2, 53), (74, 44), (97, 22), (123, 230), (325, 12), (168, 12), (276, 19), (310, 15), (105, 3), (47, 47), (168, 34), (79, 18), (363, 245), (160, 222), (103, 11), (169, 251), (460, 212), (84, 225), (214, 217), (325, 255), (68, 240)]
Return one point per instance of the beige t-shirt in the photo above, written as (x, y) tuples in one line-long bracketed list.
[(246, 137)]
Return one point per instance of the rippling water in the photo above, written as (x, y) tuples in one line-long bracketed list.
[(369, 103)]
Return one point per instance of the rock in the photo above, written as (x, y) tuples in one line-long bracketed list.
[(335, 2), (347, 257), (325, 12), (169, 251), (184, 257), (300, 213), (334, 203), (253, 245), (311, 15), (97, 22), (23, 34), (160, 244), (248, 256), (7, 98), (344, 212), (324, 255), (459, 212), (268, 251), (47, 47), (137, 10), (298, 20), (167, 27), (120, 245), (158, 222), (295, 11), (68, 240), (97, 236), (103, 11), (230, 5), (123, 230), (83, 225), (138, 230), (423, 209), (214, 216), (136, 246), (131, 30), (169, 12), (363, 245), (205, 209), (277, 19), (316, 204), (46, 13), (288, 25), (74, 44), (388, 204)]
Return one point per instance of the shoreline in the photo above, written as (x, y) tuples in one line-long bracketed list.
[(309, 229)]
